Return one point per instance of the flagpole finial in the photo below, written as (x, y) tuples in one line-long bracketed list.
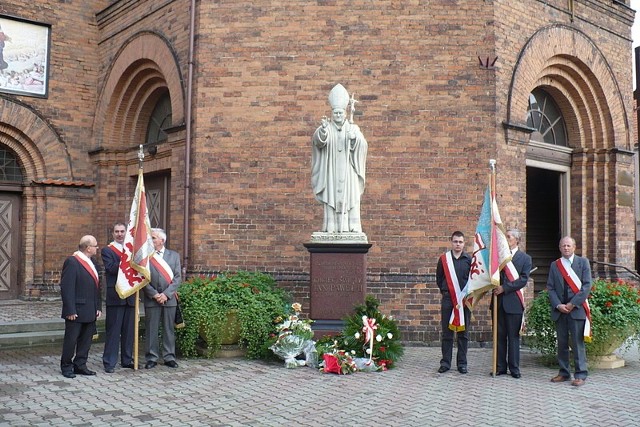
[(492, 164), (140, 156)]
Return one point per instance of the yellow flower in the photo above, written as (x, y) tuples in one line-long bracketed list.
[(297, 307)]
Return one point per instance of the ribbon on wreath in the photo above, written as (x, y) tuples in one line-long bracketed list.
[(369, 330)]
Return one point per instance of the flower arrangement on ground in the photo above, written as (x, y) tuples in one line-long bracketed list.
[(615, 318), (207, 302), (371, 339), (294, 337)]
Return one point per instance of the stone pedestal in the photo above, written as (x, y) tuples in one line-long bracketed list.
[(611, 361), (338, 282)]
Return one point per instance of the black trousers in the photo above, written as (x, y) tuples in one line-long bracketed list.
[(119, 335), (446, 307), (508, 341), (76, 345)]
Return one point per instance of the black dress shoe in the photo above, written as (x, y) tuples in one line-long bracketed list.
[(150, 365), (516, 375), (462, 369), (68, 375), (109, 370), (171, 364), (84, 371), (442, 369), (128, 366)]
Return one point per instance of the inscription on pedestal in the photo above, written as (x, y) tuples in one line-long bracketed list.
[(338, 281)]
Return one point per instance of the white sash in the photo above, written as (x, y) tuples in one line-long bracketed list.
[(163, 268), (88, 265), (564, 265), (456, 321)]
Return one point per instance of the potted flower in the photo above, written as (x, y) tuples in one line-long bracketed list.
[(615, 319), (210, 305)]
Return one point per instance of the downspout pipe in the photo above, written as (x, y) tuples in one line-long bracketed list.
[(187, 145)]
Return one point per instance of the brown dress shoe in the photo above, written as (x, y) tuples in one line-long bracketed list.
[(577, 382), (559, 379)]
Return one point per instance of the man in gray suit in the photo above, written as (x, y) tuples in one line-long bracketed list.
[(511, 308), (569, 285), (160, 302)]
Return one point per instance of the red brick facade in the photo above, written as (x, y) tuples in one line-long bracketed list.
[(431, 109)]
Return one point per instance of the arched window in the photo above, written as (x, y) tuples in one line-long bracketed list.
[(10, 170), (545, 117), (159, 121)]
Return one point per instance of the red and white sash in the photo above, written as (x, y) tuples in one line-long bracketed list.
[(163, 268), (117, 249), (456, 322), (88, 265), (575, 284), (513, 275)]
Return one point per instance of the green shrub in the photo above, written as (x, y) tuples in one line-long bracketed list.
[(615, 318), (206, 302)]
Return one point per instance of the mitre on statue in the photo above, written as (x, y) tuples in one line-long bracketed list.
[(338, 97)]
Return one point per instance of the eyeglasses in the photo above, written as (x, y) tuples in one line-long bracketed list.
[(94, 246)]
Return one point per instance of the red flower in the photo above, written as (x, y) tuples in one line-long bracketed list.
[(331, 364), (382, 348), (616, 293), (385, 364), (608, 304)]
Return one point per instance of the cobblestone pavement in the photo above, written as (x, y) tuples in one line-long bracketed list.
[(13, 310), (239, 392)]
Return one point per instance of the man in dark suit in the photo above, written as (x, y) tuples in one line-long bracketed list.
[(160, 302), (81, 306), (511, 308), (452, 274), (120, 318), (569, 285)]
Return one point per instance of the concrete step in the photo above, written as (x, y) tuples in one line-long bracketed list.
[(31, 333), (41, 325), (30, 339)]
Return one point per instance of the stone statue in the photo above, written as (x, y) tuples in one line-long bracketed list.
[(338, 163)]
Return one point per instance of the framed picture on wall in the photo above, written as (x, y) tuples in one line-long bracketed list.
[(24, 56)]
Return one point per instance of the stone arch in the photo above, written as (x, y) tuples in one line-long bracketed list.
[(39, 148), (43, 156), (143, 70), (568, 65)]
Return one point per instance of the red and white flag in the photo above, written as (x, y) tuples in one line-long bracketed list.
[(134, 273)]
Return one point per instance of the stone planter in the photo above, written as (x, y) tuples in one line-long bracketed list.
[(230, 333), (601, 353), (229, 338)]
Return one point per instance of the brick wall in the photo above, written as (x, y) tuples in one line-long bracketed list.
[(432, 116)]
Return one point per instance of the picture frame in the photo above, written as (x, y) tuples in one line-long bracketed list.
[(24, 57)]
